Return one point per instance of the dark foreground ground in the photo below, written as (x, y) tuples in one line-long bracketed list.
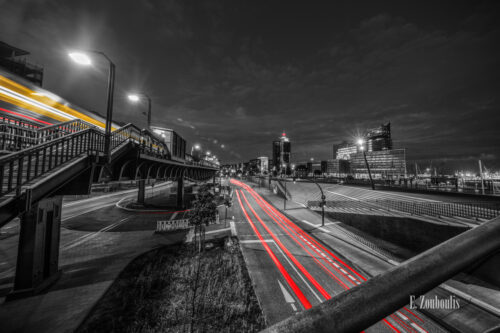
[(175, 289)]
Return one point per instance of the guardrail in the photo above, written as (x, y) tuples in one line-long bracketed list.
[(169, 225), (469, 210), (19, 168)]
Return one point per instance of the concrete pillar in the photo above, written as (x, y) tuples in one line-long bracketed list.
[(180, 191), (37, 264), (141, 183)]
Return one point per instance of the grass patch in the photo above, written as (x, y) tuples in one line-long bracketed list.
[(175, 289)]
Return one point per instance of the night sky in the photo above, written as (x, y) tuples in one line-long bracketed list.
[(238, 73)]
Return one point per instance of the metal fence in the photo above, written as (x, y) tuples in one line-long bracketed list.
[(469, 210)]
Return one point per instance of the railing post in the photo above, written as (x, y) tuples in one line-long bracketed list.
[(19, 174)]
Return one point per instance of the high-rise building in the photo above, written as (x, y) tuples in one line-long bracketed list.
[(379, 138), (264, 164), (281, 154)]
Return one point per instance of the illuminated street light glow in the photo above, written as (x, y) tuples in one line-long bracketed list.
[(361, 142), (134, 97), (80, 58), (197, 147)]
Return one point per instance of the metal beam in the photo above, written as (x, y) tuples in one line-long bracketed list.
[(384, 294), (122, 169)]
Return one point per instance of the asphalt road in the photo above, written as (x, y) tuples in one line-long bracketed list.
[(80, 228), (343, 192), (292, 271)]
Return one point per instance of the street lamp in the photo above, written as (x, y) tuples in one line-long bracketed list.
[(136, 98), (323, 199), (195, 147), (362, 148), (82, 58)]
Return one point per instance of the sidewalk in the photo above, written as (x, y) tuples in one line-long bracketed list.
[(87, 272), (367, 254)]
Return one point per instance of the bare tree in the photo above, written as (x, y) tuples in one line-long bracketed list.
[(203, 213)]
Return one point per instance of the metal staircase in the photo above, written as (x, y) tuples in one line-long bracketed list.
[(41, 159)]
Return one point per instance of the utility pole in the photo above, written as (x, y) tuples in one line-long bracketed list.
[(284, 202), (482, 178)]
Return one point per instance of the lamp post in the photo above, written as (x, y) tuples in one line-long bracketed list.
[(284, 202), (323, 200), (136, 98), (362, 148), (83, 59)]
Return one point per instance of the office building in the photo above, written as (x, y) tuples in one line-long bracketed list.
[(345, 150), (281, 155), (384, 164), (337, 167), (264, 165)]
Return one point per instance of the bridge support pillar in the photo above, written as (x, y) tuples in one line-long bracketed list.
[(180, 191), (141, 183), (38, 252)]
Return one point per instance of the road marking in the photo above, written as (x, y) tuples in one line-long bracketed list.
[(250, 241), (402, 315), (86, 211), (350, 277), (385, 192), (418, 328), (216, 231), (343, 195), (320, 228), (410, 197), (300, 275), (286, 294), (87, 237)]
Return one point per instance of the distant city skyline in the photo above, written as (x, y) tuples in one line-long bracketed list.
[(234, 74)]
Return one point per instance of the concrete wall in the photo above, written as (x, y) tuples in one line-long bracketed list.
[(418, 236), (409, 233)]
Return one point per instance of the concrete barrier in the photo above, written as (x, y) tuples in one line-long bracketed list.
[(411, 233)]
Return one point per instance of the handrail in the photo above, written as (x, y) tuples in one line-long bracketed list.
[(19, 167), (382, 295), (17, 120), (69, 126)]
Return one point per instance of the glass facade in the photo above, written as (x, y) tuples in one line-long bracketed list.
[(385, 164), (281, 154)]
